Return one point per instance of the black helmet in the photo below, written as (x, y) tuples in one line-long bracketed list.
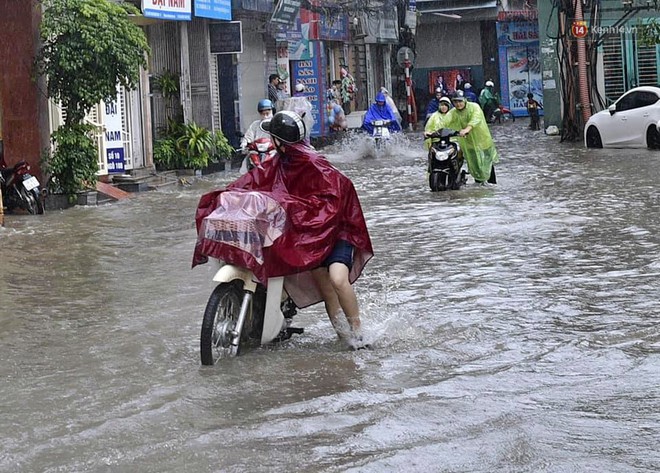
[(458, 96), (287, 126)]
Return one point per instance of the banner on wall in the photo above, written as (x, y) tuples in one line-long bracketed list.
[(283, 69), (310, 72), (285, 12), (448, 80), (312, 26), (300, 36), (520, 65), (333, 27), (167, 9)]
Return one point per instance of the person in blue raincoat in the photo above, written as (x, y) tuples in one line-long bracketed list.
[(470, 96), (380, 111)]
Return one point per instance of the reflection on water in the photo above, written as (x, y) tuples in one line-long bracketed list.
[(515, 328)]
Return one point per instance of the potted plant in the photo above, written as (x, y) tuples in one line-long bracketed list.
[(189, 148)]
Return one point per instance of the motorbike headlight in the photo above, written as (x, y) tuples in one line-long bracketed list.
[(441, 155)]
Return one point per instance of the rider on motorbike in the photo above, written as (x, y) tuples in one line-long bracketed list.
[(379, 110), (475, 139), (435, 119), (325, 243), (434, 103), (469, 93), (254, 131), (488, 100)]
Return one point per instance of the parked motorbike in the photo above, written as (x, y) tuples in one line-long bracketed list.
[(445, 162), (241, 313), (501, 115), (20, 189)]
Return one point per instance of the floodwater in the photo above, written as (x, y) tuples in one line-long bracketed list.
[(514, 328)]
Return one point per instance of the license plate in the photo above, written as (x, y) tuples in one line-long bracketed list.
[(31, 183)]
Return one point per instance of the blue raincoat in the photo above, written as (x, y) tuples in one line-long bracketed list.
[(380, 112)]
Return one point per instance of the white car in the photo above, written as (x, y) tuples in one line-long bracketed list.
[(633, 121)]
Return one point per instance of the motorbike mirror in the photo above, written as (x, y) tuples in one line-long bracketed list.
[(612, 109)]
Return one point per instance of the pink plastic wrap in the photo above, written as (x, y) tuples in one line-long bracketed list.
[(249, 221)]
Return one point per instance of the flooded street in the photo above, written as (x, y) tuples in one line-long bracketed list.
[(515, 328)]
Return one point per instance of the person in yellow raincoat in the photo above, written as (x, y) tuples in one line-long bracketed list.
[(474, 136), (435, 119)]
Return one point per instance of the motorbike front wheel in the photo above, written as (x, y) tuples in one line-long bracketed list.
[(219, 324), (437, 181)]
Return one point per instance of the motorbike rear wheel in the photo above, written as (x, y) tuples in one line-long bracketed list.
[(219, 323), (31, 200), (507, 117)]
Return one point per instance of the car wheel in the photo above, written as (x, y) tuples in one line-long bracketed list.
[(593, 138), (653, 138)]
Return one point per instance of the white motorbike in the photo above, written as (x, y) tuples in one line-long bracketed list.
[(381, 133), (240, 312)]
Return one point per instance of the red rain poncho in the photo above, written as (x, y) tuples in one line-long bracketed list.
[(284, 220)]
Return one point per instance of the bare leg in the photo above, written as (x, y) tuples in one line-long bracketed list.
[(345, 294), (330, 299), (337, 294)]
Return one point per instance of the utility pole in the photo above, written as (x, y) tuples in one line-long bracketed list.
[(185, 95)]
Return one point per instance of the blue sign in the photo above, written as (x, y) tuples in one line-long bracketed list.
[(115, 158), (310, 73), (216, 9), (333, 28)]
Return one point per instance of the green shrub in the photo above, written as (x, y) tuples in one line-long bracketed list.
[(89, 47), (74, 162)]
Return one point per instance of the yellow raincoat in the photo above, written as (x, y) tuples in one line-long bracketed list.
[(478, 147)]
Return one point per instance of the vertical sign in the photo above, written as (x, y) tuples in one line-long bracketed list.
[(113, 142), (216, 9), (309, 72), (167, 9)]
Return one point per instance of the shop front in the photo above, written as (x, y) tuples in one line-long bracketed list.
[(312, 55)]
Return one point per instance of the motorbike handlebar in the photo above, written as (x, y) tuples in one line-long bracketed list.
[(443, 132)]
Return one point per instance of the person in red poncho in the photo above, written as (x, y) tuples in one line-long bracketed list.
[(321, 244)]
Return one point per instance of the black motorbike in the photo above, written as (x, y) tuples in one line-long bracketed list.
[(445, 162), (20, 189)]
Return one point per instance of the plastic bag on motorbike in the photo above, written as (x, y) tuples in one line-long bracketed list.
[(249, 221)]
